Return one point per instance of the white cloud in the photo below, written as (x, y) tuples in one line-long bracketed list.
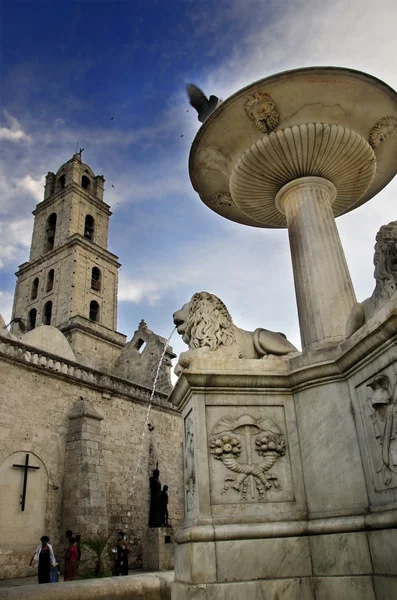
[(34, 186), (13, 133), (134, 290), (15, 240), (6, 299)]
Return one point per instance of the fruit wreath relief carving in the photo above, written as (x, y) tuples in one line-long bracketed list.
[(258, 439), (383, 415)]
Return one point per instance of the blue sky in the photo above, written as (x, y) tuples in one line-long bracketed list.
[(67, 67)]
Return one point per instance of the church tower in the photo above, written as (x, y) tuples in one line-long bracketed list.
[(71, 279)]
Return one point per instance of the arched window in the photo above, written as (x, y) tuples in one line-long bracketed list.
[(35, 288), (89, 227), (50, 232), (94, 311), (85, 182), (50, 280), (47, 313), (96, 279), (62, 181), (32, 318)]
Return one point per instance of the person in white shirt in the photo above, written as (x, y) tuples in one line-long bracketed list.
[(44, 558)]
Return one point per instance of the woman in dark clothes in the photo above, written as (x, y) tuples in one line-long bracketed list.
[(44, 557), (123, 550)]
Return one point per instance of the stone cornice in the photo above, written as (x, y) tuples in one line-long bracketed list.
[(84, 409), (74, 240), (78, 323), (252, 531), (73, 187), (77, 374)]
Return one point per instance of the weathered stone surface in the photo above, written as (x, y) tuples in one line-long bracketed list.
[(158, 549), (140, 358), (84, 495), (150, 586), (383, 548), (340, 554)]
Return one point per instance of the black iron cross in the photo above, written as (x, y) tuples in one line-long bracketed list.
[(26, 468)]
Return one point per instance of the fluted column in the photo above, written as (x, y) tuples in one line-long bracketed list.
[(324, 291)]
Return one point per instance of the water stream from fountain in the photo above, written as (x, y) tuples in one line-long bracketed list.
[(145, 426)]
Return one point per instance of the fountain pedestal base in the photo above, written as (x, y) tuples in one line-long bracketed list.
[(285, 496)]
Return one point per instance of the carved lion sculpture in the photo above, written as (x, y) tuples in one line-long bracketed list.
[(206, 327), (385, 273)]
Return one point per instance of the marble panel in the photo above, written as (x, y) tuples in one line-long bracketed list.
[(195, 563), (385, 588), (247, 426), (270, 589), (259, 481), (344, 588), (332, 467), (245, 560), (340, 554), (383, 548), (184, 591)]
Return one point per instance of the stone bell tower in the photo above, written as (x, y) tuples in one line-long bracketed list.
[(71, 278)]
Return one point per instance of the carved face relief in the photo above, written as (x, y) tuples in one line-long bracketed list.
[(382, 130), (220, 199), (246, 434), (181, 317), (262, 110)]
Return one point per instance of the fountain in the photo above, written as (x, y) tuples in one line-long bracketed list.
[(289, 491)]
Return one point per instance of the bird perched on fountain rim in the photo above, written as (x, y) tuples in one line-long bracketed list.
[(204, 106)]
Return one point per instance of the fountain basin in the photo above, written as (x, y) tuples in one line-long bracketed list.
[(343, 103)]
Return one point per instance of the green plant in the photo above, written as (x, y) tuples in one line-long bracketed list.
[(97, 548)]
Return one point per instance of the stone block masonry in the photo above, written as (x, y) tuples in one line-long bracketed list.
[(38, 393), (84, 505)]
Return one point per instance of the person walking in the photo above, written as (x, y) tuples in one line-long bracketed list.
[(123, 550), (44, 559), (71, 561)]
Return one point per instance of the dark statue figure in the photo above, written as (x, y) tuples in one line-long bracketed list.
[(156, 505), (164, 505)]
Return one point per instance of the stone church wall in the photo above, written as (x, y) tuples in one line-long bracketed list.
[(37, 393)]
